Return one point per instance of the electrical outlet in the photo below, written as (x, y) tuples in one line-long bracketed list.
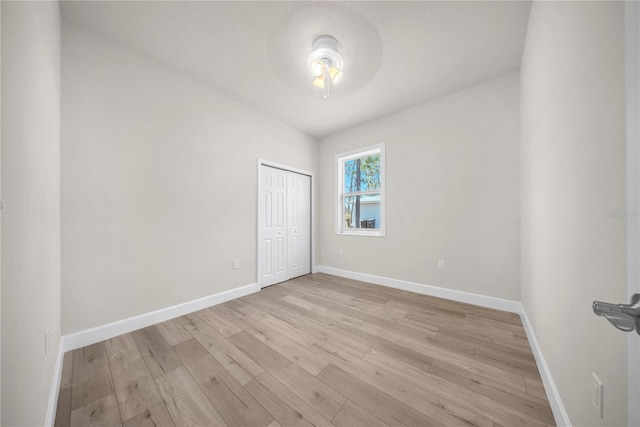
[(440, 263), (236, 264), (597, 390), (340, 252)]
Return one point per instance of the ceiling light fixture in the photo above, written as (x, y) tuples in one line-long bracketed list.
[(325, 63)]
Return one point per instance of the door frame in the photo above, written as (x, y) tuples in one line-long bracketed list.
[(312, 230), (632, 59)]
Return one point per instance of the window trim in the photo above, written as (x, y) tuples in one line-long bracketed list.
[(339, 194)]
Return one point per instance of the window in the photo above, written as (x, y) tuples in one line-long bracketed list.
[(360, 195)]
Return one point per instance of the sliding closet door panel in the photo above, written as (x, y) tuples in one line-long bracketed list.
[(299, 227), (272, 218)]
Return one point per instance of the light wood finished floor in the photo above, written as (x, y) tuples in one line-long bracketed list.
[(318, 350)]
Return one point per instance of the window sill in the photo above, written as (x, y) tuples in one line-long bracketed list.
[(377, 233)]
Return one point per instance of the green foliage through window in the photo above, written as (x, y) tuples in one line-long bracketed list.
[(361, 192)]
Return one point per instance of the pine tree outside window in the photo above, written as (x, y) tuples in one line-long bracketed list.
[(360, 196)]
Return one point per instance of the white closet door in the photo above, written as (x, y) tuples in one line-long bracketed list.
[(298, 224), (272, 217), (284, 221)]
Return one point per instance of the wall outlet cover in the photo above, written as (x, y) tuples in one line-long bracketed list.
[(597, 391)]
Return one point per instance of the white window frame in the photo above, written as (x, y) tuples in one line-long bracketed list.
[(340, 159)]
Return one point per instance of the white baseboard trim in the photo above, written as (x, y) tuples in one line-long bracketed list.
[(553, 395), (559, 411), (435, 291), (55, 386), (100, 333)]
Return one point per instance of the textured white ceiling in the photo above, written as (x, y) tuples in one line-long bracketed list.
[(396, 54)]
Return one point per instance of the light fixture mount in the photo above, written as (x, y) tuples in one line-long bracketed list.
[(325, 62)]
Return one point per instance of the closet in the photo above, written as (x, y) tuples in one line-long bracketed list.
[(284, 225)]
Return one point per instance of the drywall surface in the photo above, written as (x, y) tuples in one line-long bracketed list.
[(573, 198), (632, 72), (0, 215), (452, 193), (31, 207), (159, 183)]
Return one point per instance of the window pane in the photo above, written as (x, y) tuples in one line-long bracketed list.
[(362, 174), (362, 211)]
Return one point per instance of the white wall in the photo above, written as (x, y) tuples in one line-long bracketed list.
[(632, 72), (31, 213), (573, 197), (0, 216), (452, 188), (159, 183)]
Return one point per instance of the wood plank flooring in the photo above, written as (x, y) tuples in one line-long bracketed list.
[(317, 350)]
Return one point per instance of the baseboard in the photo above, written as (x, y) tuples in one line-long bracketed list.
[(559, 411), (55, 386), (110, 330), (101, 333), (435, 291), (553, 395)]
